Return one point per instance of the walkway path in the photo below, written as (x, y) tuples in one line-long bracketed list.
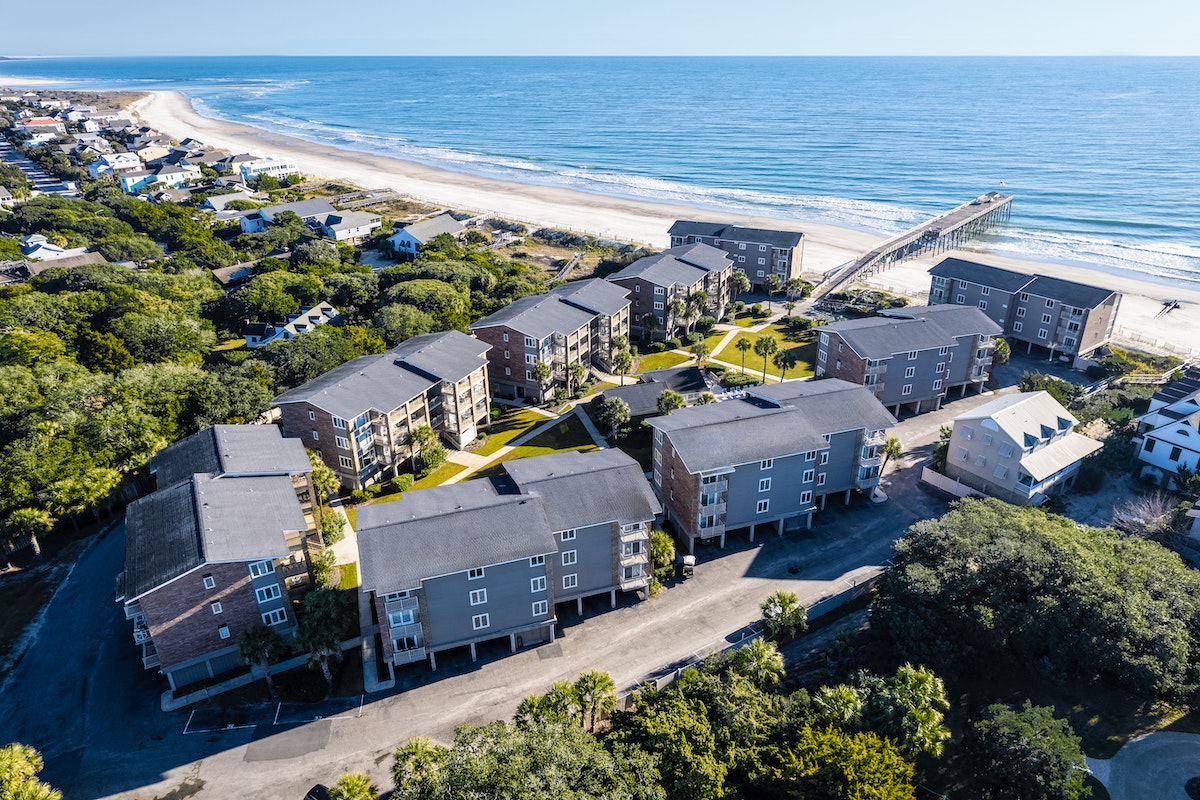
[(1157, 765)]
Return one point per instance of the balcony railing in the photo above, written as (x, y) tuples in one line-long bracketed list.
[(716, 486), (133, 610), (635, 558), (712, 530), (877, 437), (713, 508), (149, 656), (637, 582), (636, 535), (408, 656)]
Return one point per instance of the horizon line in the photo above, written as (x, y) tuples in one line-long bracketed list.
[(35, 57)]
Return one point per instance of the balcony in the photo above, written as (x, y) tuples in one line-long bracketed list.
[(133, 610), (149, 656), (877, 437), (721, 485), (141, 633), (712, 530), (713, 508), (631, 559), (634, 583), (408, 656), (640, 534)]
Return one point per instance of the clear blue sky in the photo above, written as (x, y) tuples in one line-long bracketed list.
[(607, 27)]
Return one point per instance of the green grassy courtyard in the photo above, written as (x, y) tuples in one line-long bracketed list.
[(805, 342)]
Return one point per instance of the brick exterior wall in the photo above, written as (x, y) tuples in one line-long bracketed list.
[(679, 489), (180, 619), (851, 368)]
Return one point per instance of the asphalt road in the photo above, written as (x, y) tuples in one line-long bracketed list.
[(81, 697), (1154, 767)]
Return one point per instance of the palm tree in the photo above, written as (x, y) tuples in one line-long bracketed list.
[(701, 351), (649, 325), (423, 437), (614, 412), (19, 764), (320, 632), (920, 697), (417, 768), (623, 362), (576, 373), (789, 306), (765, 346), (596, 692), (744, 346), (772, 284), (259, 647), (785, 360), (891, 449), (795, 287), (738, 283), (839, 705), (783, 618), (669, 401), (353, 786), (761, 663), (677, 308), (324, 480), (557, 706), (25, 524), (541, 372)]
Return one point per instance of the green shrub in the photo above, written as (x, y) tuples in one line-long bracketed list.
[(322, 567), (705, 324), (403, 483), (333, 526), (657, 347), (672, 344), (735, 380)]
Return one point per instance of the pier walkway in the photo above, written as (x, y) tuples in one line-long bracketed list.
[(941, 233)]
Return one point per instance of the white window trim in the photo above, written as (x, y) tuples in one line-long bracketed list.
[(260, 568), (764, 484), (475, 573), (537, 561), (763, 507), (540, 608), (570, 581), (537, 584), (567, 535), (223, 631), (216, 608), (766, 463), (478, 597), (481, 621), (276, 616), (265, 594), (570, 558), (210, 582)]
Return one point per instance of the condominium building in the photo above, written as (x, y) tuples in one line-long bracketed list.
[(361, 416), (771, 458), (758, 252), (910, 357), (680, 272)]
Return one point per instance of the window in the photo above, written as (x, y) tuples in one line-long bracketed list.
[(805, 498), (530, 341), (631, 527), (475, 574), (223, 631), (985, 290), (907, 390), (478, 597), (910, 371), (342, 442), (216, 608), (821, 479), (987, 440), (962, 298), (260, 568), (480, 621), (316, 436), (566, 536), (1049, 304), (741, 245), (537, 561), (762, 248), (1149, 448), (811, 455), (506, 337), (267, 593), (393, 596), (937, 384), (508, 371), (537, 584), (981, 461), (1046, 319), (631, 549), (941, 367), (344, 461), (658, 305), (1001, 472), (569, 557), (1043, 333), (632, 572), (824, 458), (405, 616), (760, 273), (312, 415), (339, 423), (1017, 326), (912, 354), (529, 358), (1021, 311), (983, 305), (764, 485), (540, 608), (767, 463), (637, 288), (763, 507), (741, 259), (809, 475), (659, 290), (762, 261), (1006, 450), (1175, 453), (961, 454), (210, 582), (1023, 296), (967, 433), (570, 581), (275, 617)]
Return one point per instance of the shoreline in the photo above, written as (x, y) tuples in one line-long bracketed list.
[(646, 222)]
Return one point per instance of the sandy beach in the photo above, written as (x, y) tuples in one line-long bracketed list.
[(826, 246)]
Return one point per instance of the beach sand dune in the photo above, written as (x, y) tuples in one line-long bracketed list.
[(825, 247)]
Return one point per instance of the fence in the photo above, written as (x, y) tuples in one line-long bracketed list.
[(1123, 335), (948, 485)]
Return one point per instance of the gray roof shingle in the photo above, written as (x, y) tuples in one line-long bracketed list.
[(720, 230), (538, 316), (1079, 295), (449, 355), (230, 450), (426, 229), (954, 319), (581, 489), (983, 274), (686, 264), (594, 294), (883, 337)]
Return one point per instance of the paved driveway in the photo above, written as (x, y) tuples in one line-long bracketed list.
[(1155, 767)]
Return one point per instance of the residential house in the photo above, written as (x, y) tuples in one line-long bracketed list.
[(1019, 448), (258, 334), (200, 156), (274, 166), (152, 150), (258, 220), (361, 416), (218, 202), (1168, 436), (408, 240), (572, 324), (233, 164), (642, 397), (37, 247), (168, 176), (1066, 319), (6, 198), (233, 275), (41, 125), (216, 549), (347, 226), (758, 252), (770, 458), (679, 272), (472, 562), (911, 356)]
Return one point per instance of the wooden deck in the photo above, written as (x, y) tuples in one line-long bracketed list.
[(941, 233)]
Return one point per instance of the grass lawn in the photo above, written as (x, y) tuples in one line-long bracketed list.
[(349, 573), (599, 386), (662, 360), (713, 339), (351, 514), (568, 434), (509, 427), (806, 342), (436, 478), (230, 344)]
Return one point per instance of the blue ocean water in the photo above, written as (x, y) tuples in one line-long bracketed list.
[(1103, 154)]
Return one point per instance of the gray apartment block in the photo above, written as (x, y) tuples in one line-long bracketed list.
[(758, 252), (489, 559), (911, 357), (679, 272), (770, 459), (361, 415), (573, 323), (1063, 318)]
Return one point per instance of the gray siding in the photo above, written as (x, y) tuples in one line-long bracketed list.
[(447, 604), (842, 467), (993, 302), (787, 484), (593, 567), (921, 384)]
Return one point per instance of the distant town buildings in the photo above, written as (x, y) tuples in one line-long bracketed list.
[(758, 252)]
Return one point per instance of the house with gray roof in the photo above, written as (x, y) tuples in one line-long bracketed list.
[(407, 240), (758, 252), (260, 334), (457, 565), (682, 273), (219, 548), (1061, 318), (360, 416), (770, 458), (1020, 448), (574, 323), (911, 357), (260, 219), (347, 226)]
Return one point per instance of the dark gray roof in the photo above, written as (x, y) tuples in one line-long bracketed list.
[(581, 489), (983, 274), (686, 264), (883, 337), (449, 355), (387, 381), (954, 319), (445, 530), (230, 450), (594, 294), (779, 420), (426, 229), (205, 520), (641, 397), (720, 230), (345, 220), (1079, 295), (302, 208), (538, 316), (685, 380)]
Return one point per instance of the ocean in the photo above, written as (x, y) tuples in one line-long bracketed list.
[(1102, 154)]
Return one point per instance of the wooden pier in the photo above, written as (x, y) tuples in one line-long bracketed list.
[(941, 233)]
